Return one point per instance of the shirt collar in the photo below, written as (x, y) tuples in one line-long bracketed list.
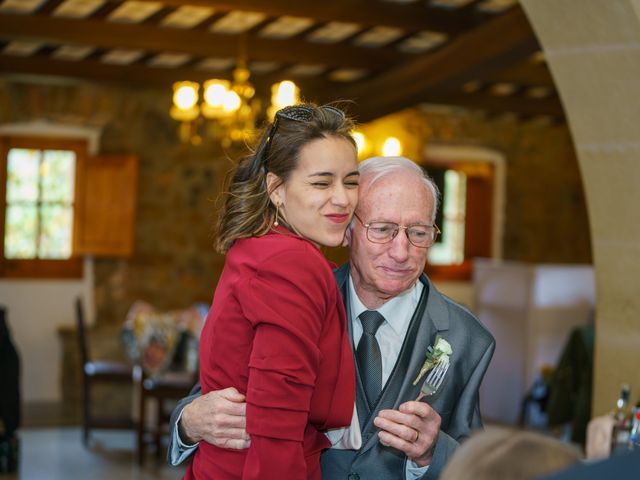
[(407, 301)]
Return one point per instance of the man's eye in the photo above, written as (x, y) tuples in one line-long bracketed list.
[(381, 228), (419, 233), (320, 184), (351, 184)]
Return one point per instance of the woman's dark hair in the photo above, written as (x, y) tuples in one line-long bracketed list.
[(246, 209)]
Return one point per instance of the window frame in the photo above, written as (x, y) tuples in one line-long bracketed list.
[(478, 234), (39, 268)]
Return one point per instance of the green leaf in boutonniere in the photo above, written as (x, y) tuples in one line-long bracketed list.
[(440, 351)]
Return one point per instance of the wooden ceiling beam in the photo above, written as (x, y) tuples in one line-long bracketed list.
[(194, 42), (519, 105), (96, 71), (410, 17), (483, 51)]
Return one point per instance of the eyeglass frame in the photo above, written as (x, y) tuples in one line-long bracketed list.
[(399, 227), (283, 114)]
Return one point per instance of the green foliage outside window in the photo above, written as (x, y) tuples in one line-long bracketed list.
[(40, 196)]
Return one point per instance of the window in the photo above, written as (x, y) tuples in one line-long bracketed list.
[(465, 216), (38, 203), (449, 249)]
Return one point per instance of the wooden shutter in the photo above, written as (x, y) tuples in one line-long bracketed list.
[(106, 192)]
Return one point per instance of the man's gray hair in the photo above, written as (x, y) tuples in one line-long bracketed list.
[(374, 168)]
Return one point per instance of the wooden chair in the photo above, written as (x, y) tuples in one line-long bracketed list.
[(98, 372), (170, 386)]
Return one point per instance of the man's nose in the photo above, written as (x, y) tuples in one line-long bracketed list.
[(399, 246)]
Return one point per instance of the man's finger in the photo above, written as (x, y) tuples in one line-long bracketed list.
[(230, 444), (398, 417), (398, 443), (416, 408), (222, 422), (231, 394), (405, 430), (231, 408)]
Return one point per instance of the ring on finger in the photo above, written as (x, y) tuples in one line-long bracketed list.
[(417, 436)]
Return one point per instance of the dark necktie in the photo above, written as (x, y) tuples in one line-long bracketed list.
[(368, 355)]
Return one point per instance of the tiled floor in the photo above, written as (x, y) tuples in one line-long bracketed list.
[(58, 454)]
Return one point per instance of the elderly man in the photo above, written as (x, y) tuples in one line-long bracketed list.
[(394, 315)]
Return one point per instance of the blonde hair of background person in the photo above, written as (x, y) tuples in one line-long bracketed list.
[(507, 454)]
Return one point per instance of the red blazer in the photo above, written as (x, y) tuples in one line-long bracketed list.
[(277, 332)]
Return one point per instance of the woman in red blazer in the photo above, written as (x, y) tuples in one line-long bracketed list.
[(276, 330)]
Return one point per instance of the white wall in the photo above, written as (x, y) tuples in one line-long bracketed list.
[(35, 310), (531, 310), (461, 292)]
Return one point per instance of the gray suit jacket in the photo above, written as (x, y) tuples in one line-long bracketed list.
[(456, 401)]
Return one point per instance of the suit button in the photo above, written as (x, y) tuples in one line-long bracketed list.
[(353, 476)]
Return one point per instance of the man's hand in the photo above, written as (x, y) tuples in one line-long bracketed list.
[(413, 429), (218, 418)]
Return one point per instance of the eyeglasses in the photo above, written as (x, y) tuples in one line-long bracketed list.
[(296, 113), (421, 236)]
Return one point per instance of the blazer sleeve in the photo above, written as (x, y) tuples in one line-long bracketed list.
[(176, 454), (286, 302), (465, 418)]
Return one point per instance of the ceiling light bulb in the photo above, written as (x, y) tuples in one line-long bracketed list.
[(392, 147), (215, 91), (231, 101), (185, 95), (361, 141), (285, 93)]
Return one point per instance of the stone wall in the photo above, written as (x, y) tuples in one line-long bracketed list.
[(545, 218), (174, 263)]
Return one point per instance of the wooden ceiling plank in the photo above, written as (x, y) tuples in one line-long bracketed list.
[(484, 50), (194, 42), (49, 7), (412, 17), (97, 71), (523, 73)]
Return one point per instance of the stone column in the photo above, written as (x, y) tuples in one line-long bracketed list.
[(593, 50)]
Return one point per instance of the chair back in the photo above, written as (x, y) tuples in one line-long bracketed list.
[(82, 332)]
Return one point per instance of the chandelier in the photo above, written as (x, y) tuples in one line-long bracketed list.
[(228, 110)]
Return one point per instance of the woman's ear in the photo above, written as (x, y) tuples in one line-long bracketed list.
[(274, 188)]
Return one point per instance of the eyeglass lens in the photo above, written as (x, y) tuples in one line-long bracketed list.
[(419, 235)]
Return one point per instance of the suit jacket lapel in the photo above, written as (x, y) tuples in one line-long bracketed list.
[(434, 320)]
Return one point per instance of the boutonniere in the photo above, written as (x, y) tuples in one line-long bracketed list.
[(439, 352)]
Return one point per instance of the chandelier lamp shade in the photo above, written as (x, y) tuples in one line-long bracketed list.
[(226, 111)]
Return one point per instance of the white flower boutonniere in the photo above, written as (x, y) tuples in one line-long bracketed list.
[(439, 352)]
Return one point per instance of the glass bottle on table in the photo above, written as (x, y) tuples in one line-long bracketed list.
[(634, 435), (622, 421)]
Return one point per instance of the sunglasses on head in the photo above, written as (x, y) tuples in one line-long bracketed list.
[(296, 113)]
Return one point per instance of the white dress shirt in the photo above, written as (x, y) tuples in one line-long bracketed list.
[(397, 314)]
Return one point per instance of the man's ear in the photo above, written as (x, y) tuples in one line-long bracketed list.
[(274, 187)]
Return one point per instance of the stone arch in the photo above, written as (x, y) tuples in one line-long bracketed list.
[(593, 51)]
